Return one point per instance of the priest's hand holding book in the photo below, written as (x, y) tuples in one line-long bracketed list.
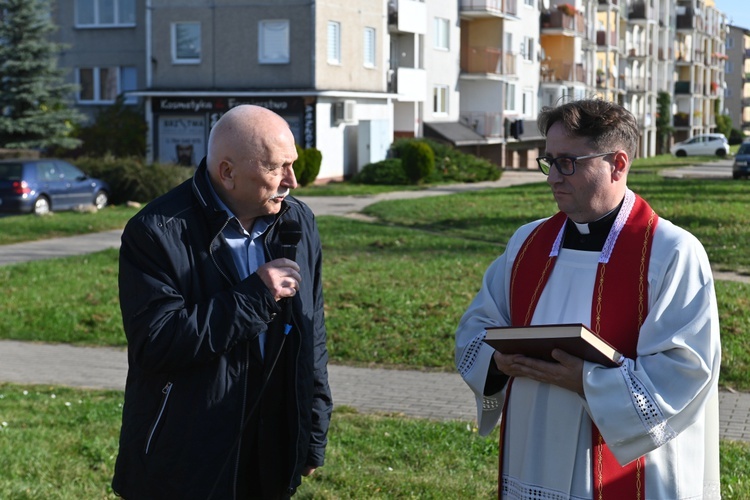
[(566, 371)]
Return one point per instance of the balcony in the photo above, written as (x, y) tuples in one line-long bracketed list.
[(552, 21), (685, 21), (682, 87), (483, 123), (410, 84), (407, 16), (555, 71), (489, 8), (639, 11), (487, 60), (602, 40), (681, 119)]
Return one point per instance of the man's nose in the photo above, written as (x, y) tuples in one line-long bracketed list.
[(290, 180)]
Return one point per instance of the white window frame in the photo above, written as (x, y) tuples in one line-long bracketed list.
[(509, 101), (121, 13), (440, 95), (527, 49), (273, 41), (530, 3), (333, 46), (185, 60), (527, 104), (442, 34), (369, 50), (96, 85)]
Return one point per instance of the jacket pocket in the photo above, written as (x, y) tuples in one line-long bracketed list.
[(159, 416)]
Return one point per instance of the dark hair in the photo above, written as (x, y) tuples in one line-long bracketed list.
[(605, 124)]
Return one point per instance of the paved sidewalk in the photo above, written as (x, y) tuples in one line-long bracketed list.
[(412, 393), (433, 395)]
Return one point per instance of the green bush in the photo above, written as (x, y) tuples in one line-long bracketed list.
[(387, 172), (130, 179), (313, 159), (119, 130), (300, 165), (451, 165), (418, 161)]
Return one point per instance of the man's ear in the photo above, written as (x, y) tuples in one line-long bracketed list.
[(226, 174), (621, 163)]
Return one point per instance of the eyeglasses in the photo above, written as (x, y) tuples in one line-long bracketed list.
[(566, 165)]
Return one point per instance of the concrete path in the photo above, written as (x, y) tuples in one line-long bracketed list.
[(433, 395)]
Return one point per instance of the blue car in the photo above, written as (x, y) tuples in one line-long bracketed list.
[(43, 185)]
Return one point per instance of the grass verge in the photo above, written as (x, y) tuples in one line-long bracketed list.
[(64, 444)]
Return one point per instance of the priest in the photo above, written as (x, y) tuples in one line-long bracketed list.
[(571, 428)]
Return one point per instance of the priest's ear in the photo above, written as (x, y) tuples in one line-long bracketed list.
[(621, 163)]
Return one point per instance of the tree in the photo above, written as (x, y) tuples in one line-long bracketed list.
[(34, 112), (664, 127), (118, 130)]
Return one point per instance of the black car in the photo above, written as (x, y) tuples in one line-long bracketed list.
[(43, 185), (741, 166)]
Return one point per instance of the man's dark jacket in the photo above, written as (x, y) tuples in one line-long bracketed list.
[(195, 368)]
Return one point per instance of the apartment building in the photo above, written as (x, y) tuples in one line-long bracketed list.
[(737, 77), (349, 77), (700, 45)]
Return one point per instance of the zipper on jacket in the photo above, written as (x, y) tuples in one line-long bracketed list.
[(167, 389)]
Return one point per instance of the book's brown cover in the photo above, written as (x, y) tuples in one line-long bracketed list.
[(538, 341)]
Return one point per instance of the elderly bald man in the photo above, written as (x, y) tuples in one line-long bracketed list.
[(226, 397)]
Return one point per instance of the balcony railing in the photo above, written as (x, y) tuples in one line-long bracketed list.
[(602, 39), (483, 123), (490, 6), (563, 72), (682, 87), (490, 60), (559, 20)]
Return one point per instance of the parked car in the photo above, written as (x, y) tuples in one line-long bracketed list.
[(43, 185), (741, 165), (703, 144)]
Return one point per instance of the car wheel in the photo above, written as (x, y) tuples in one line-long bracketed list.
[(721, 153), (101, 199), (41, 206), (680, 153)]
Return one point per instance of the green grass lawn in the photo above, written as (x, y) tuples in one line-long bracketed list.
[(64, 444), (394, 293)]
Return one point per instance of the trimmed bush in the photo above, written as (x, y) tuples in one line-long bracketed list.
[(130, 179), (313, 160), (418, 161), (300, 165), (387, 172), (451, 165)]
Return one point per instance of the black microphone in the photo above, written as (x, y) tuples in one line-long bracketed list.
[(290, 233)]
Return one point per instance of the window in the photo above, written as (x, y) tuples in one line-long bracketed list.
[(510, 97), (527, 49), (528, 100), (273, 42), (186, 43), (104, 13), (729, 67), (530, 3), (369, 48), (440, 100), (103, 85), (442, 34), (334, 42)]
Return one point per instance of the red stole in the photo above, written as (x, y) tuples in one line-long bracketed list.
[(620, 303)]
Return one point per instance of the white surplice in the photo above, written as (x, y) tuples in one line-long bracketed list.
[(663, 404)]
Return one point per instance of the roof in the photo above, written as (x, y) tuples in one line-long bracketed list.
[(459, 134)]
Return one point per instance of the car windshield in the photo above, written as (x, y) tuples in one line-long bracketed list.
[(10, 171), (744, 149)]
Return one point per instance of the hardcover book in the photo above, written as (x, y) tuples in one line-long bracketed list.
[(538, 341)]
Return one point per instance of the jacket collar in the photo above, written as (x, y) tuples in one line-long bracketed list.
[(202, 191)]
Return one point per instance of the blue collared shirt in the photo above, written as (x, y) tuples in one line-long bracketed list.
[(246, 248)]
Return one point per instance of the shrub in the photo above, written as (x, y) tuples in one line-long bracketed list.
[(130, 179), (735, 137), (418, 161), (451, 165), (313, 159), (300, 165), (387, 172), (118, 130)]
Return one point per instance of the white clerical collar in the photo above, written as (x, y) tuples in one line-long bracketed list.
[(583, 228)]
